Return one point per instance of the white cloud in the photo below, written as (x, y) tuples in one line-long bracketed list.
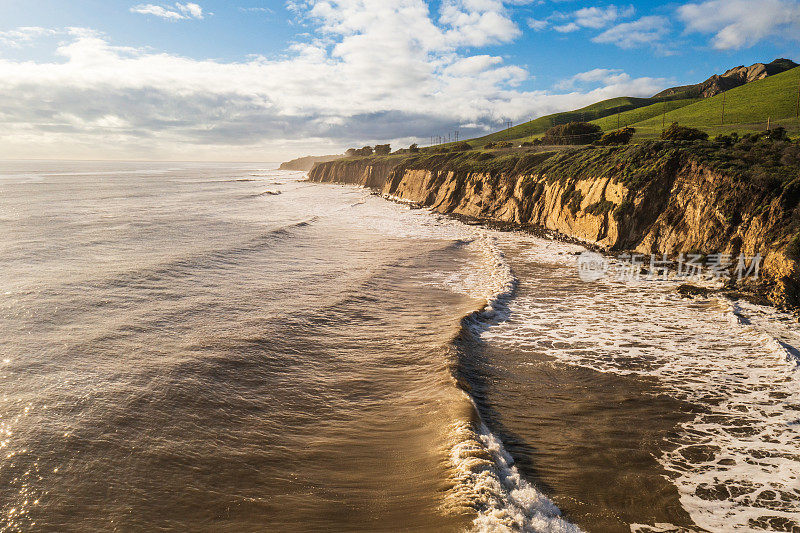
[(190, 10), (537, 25), (646, 30), (588, 17), (567, 28), (376, 72), (256, 10), (598, 17), (19, 37), (178, 11), (614, 81), (604, 75), (742, 23), (477, 22), (473, 65)]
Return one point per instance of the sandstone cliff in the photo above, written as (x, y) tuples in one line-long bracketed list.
[(648, 198)]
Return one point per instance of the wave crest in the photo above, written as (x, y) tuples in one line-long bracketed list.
[(485, 477)]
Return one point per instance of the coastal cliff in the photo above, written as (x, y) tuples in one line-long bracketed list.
[(649, 198)]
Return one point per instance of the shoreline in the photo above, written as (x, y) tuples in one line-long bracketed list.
[(754, 294), (673, 203)]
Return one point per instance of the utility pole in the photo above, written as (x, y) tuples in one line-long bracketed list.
[(723, 109), (664, 118), (617, 120), (768, 119)]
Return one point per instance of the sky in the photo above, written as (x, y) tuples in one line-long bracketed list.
[(256, 80)]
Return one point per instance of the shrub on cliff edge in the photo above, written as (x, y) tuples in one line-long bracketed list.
[(359, 152), (622, 136), (683, 133)]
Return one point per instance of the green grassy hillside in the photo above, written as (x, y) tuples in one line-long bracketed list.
[(747, 108), (585, 114), (640, 114)]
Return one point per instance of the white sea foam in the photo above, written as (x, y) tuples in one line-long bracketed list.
[(737, 463), (487, 479)]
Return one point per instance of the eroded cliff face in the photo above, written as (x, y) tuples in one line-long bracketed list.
[(684, 208)]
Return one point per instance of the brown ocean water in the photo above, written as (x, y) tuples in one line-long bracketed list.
[(223, 347)]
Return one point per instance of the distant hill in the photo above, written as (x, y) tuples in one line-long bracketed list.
[(755, 94), (746, 108), (307, 163), (732, 78)]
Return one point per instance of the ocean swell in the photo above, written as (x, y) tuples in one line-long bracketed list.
[(486, 479)]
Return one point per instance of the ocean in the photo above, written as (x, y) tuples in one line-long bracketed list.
[(226, 347)]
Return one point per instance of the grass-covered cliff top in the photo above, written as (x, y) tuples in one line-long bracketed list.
[(766, 163), (763, 174)]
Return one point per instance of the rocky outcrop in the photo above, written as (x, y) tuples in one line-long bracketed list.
[(730, 79), (683, 206)]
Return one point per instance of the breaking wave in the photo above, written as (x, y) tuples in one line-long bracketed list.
[(485, 476)]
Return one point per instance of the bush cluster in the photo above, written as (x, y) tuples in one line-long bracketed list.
[(379, 149), (359, 152), (683, 133), (622, 136), (775, 134), (765, 159), (572, 133)]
